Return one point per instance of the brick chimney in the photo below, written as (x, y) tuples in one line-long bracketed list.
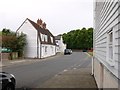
[(39, 22), (44, 25)]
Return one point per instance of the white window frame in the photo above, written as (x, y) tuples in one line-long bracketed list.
[(51, 39), (46, 38), (111, 43), (45, 49), (42, 37), (52, 48)]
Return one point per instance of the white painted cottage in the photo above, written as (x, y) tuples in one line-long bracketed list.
[(60, 45), (40, 41), (106, 61)]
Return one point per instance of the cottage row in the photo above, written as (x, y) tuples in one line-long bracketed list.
[(41, 42)]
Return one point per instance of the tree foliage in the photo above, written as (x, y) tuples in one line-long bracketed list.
[(12, 41), (79, 39)]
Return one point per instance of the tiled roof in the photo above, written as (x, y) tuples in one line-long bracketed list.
[(43, 31), (57, 37)]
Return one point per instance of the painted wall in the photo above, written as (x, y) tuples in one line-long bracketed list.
[(103, 76), (61, 45), (48, 50), (30, 51), (106, 19)]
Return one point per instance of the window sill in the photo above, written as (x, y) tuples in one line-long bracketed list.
[(111, 62)]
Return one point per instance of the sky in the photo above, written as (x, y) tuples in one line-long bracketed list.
[(61, 16)]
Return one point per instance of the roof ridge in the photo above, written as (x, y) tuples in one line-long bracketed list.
[(39, 29)]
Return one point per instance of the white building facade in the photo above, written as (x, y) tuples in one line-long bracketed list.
[(40, 41), (106, 60), (60, 45)]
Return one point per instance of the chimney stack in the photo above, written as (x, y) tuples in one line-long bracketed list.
[(38, 21), (44, 25), (41, 24)]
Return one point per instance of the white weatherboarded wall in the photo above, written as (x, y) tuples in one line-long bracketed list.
[(30, 51), (107, 18)]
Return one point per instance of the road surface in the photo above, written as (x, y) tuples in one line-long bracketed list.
[(35, 74)]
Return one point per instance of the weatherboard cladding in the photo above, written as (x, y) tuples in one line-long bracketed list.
[(107, 17), (43, 31)]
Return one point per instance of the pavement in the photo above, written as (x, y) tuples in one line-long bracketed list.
[(73, 78), (5, 63), (69, 78)]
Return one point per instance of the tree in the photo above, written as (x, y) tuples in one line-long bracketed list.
[(21, 42), (12, 41), (79, 39)]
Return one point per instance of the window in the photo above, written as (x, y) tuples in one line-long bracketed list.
[(44, 37), (45, 48), (52, 48), (51, 39), (110, 47)]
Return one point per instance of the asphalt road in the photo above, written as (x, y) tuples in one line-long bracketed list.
[(32, 75)]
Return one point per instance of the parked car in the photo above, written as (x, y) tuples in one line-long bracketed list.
[(67, 51), (84, 50), (70, 51), (7, 81)]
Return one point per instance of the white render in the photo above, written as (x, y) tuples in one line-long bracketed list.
[(34, 47), (61, 46), (107, 18), (50, 51), (30, 50)]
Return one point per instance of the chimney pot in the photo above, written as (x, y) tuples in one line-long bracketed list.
[(39, 22), (44, 25)]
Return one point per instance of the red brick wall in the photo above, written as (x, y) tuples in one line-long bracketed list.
[(5, 56)]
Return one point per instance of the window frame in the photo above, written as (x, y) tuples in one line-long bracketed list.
[(110, 43)]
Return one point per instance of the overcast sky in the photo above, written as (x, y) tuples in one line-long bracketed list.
[(61, 16)]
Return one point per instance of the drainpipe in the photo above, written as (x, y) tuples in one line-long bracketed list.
[(37, 47), (92, 65), (40, 50)]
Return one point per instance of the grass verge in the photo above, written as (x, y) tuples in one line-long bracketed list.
[(90, 53)]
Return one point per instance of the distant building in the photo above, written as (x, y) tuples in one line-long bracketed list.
[(60, 45), (106, 61), (40, 41)]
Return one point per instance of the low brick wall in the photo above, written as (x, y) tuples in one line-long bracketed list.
[(9, 56), (5, 56)]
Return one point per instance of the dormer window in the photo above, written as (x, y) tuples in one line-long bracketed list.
[(44, 37), (51, 39)]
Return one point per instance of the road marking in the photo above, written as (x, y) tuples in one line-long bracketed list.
[(74, 68), (65, 70), (18, 61)]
